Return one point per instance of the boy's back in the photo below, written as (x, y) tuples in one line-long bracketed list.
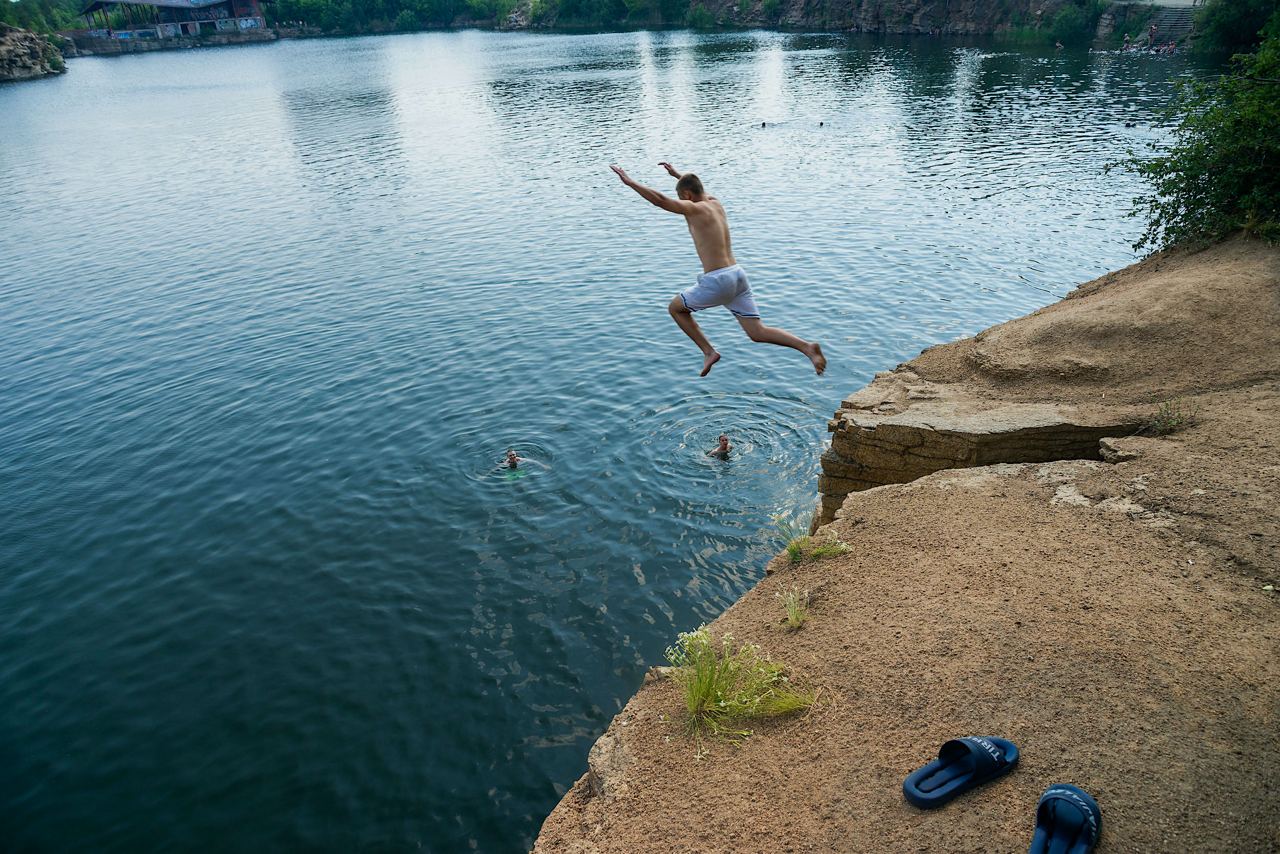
[(709, 228)]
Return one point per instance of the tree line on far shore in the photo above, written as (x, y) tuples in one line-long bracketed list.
[(1225, 26), (42, 16)]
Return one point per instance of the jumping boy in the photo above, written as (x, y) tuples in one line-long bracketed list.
[(722, 281)]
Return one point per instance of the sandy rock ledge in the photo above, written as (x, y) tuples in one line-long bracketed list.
[(1023, 562)]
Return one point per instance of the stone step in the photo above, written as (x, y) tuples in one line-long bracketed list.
[(1173, 24)]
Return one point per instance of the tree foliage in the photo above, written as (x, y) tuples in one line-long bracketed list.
[(1076, 23), (1233, 26), (42, 16), (1221, 172)]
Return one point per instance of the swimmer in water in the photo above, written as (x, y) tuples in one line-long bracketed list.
[(514, 460), (722, 282), (721, 450)]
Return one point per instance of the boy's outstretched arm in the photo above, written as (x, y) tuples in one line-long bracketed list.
[(652, 196), (671, 170)]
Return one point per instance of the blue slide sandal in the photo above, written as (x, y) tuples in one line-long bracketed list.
[(1068, 821), (962, 764)]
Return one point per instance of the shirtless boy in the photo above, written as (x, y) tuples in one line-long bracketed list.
[(722, 281)]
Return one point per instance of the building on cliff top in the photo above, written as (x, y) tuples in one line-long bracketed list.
[(165, 19)]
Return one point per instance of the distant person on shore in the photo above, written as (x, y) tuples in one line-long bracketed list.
[(722, 282), (1126, 42), (722, 450)]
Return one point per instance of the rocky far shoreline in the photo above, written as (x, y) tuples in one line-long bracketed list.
[(25, 55), (1027, 558)]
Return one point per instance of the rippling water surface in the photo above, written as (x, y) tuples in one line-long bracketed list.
[(271, 316)]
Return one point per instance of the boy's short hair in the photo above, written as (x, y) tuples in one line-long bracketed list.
[(689, 181)]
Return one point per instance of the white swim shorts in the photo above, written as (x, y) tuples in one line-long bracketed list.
[(727, 287)]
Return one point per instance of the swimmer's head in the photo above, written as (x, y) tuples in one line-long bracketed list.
[(512, 458), (689, 187), (724, 440)]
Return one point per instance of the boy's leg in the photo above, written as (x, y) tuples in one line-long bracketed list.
[(757, 331), (684, 319)]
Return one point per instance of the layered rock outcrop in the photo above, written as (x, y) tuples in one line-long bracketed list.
[(901, 428), (1051, 385), (25, 55)]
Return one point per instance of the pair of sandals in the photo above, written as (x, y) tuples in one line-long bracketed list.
[(1068, 820)]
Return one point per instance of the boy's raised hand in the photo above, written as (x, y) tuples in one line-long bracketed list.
[(671, 170), (626, 179)]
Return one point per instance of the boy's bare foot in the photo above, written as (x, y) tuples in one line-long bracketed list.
[(714, 357), (815, 355)]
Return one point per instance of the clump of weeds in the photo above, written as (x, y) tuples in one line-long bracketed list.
[(826, 548), (727, 684), (801, 547), (795, 602), (1170, 417)]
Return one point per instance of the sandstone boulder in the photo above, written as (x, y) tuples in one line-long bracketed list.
[(25, 55)]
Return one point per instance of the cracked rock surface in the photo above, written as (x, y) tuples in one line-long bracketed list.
[(1050, 385)]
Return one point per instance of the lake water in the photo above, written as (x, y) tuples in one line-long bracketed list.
[(272, 314)]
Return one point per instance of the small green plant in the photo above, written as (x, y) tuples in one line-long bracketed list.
[(794, 535), (800, 546), (1170, 417), (796, 604), (788, 527), (828, 548), (725, 685)]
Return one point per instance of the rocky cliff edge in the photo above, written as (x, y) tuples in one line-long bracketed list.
[(1112, 611)]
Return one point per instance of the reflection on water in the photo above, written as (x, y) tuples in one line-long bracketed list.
[(273, 321)]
